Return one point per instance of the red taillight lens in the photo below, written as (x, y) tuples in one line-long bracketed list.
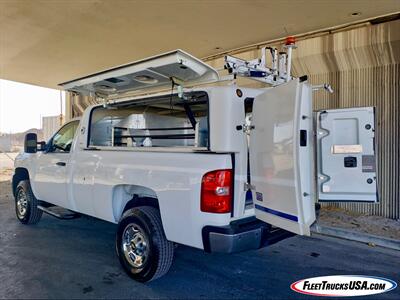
[(216, 191)]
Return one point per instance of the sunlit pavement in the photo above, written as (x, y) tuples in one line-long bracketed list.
[(7, 160), (76, 259)]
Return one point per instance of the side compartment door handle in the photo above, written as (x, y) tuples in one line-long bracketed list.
[(303, 138), (61, 164)]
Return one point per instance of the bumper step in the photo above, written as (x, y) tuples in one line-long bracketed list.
[(242, 235), (276, 235)]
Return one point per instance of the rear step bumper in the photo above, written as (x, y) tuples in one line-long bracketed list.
[(241, 235)]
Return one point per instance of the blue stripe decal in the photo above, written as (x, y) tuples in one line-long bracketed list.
[(277, 213)]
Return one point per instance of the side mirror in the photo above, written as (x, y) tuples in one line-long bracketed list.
[(30, 144)]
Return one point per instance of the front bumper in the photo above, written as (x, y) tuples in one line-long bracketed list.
[(241, 235)]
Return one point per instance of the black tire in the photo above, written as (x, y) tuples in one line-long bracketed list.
[(159, 252), (29, 214)]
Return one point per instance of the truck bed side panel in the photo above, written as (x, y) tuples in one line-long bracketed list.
[(110, 178)]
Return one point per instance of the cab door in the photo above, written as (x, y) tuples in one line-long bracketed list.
[(281, 157), (51, 177)]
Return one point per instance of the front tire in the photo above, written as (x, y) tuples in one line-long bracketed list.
[(142, 248), (26, 204)]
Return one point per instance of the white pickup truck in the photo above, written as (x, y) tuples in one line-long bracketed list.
[(219, 168)]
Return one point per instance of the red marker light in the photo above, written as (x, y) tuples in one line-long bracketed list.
[(290, 40)]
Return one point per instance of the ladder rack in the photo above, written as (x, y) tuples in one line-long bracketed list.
[(279, 72)]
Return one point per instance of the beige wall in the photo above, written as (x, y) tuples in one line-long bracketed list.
[(363, 66)]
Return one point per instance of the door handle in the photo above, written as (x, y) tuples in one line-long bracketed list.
[(61, 164), (303, 138)]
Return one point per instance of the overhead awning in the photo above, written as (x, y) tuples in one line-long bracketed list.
[(157, 71)]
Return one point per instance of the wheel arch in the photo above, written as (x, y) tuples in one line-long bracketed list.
[(126, 196), (20, 174)]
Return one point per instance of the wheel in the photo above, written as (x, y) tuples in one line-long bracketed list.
[(142, 248), (26, 204)]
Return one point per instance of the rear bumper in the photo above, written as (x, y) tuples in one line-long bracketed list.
[(241, 235)]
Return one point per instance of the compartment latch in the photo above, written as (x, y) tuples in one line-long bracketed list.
[(247, 128), (249, 186)]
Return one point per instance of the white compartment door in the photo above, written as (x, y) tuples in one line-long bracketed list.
[(152, 72), (346, 161), (281, 157)]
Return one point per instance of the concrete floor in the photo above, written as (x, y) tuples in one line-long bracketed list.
[(76, 259)]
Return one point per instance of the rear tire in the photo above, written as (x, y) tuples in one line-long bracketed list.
[(26, 204), (142, 248)]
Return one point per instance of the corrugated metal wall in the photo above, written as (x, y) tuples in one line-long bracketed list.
[(363, 66), (372, 86)]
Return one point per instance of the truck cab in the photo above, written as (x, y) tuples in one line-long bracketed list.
[(219, 168)]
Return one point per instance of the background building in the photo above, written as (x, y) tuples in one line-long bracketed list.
[(5, 143), (50, 125)]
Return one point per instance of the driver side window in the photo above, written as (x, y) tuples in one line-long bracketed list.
[(62, 140)]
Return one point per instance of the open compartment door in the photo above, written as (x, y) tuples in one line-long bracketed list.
[(281, 157), (346, 161), (153, 72)]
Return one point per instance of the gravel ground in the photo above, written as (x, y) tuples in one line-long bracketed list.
[(5, 183), (7, 160), (375, 225)]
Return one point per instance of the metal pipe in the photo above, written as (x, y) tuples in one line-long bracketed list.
[(282, 64), (288, 63), (274, 61)]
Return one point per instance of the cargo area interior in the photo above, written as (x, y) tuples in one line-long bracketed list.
[(165, 121)]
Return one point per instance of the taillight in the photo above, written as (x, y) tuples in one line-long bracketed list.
[(216, 191)]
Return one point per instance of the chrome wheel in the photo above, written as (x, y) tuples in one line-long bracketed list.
[(22, 203), (135, 245)]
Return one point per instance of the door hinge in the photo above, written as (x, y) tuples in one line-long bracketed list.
[(248, 128), (248, 186)]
